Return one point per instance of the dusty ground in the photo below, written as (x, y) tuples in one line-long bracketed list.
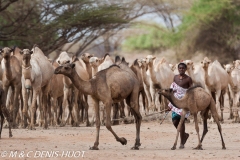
[(156, 142)]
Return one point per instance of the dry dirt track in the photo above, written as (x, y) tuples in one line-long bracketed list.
[(156, 143)]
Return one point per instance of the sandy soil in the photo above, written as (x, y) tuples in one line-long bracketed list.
[(156, 139)]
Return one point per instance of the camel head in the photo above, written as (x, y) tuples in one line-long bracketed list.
[(63, 58), (26, 67), (236, 64), (189, 64), (86, 57), (205, 62), (166, 92), (150, 59), (6, 52), (94, 62), (26, 57), (172, 66), (228, 67), (65, 69)]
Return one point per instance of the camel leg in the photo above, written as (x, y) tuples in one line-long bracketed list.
[(153, 94), (230, 95), (2, 119), (86, 107), (149, 99), (122, 106), (33, 107), (65, 107), (15, 105), (215, 117), (138, 119), (199, 147), (54, 110), (235, 109), (179, 129), (108, 106), (25, 107), (6, 114), (204, 115), (75, 110), (97, 115), (144, 102)]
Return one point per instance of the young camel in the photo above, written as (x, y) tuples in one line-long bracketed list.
[(107, 87), (196, 99), (11, 78)]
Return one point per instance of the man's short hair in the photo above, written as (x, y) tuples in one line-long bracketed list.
[(181, 63)]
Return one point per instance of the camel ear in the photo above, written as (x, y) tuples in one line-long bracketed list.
[(31, 52), (72, 65), (11, 50), (224, 66), (154, 57)]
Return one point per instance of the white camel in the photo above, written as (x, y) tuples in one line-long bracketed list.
[(161, 77), (37, 72), (216, 80), (234, 88)]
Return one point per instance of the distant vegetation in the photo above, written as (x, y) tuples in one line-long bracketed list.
[(210, 26)]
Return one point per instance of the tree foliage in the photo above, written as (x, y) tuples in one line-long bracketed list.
[(52, 23)]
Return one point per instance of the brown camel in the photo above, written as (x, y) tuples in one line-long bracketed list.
[(137, 70), (196, 99), (111, 85), (11, 78), (4, 111)]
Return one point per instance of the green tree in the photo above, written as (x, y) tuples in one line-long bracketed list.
[(52, 23)]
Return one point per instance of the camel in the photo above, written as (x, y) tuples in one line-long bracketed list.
[(216, 80), (137, 70), (111, 85), (196, 72), (55, 92), (97, 65), (69, 87), (86, 57), (196, 99), (37, 72), (11, 78), (234, 88), (4, 113), (161, 77), (146, 80)]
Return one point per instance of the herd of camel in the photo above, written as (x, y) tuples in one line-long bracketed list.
[(37, 91)]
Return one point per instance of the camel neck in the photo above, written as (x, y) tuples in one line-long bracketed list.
[(152, 73), (8, 71), (80, 84), (144, 76), (206, 77)]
